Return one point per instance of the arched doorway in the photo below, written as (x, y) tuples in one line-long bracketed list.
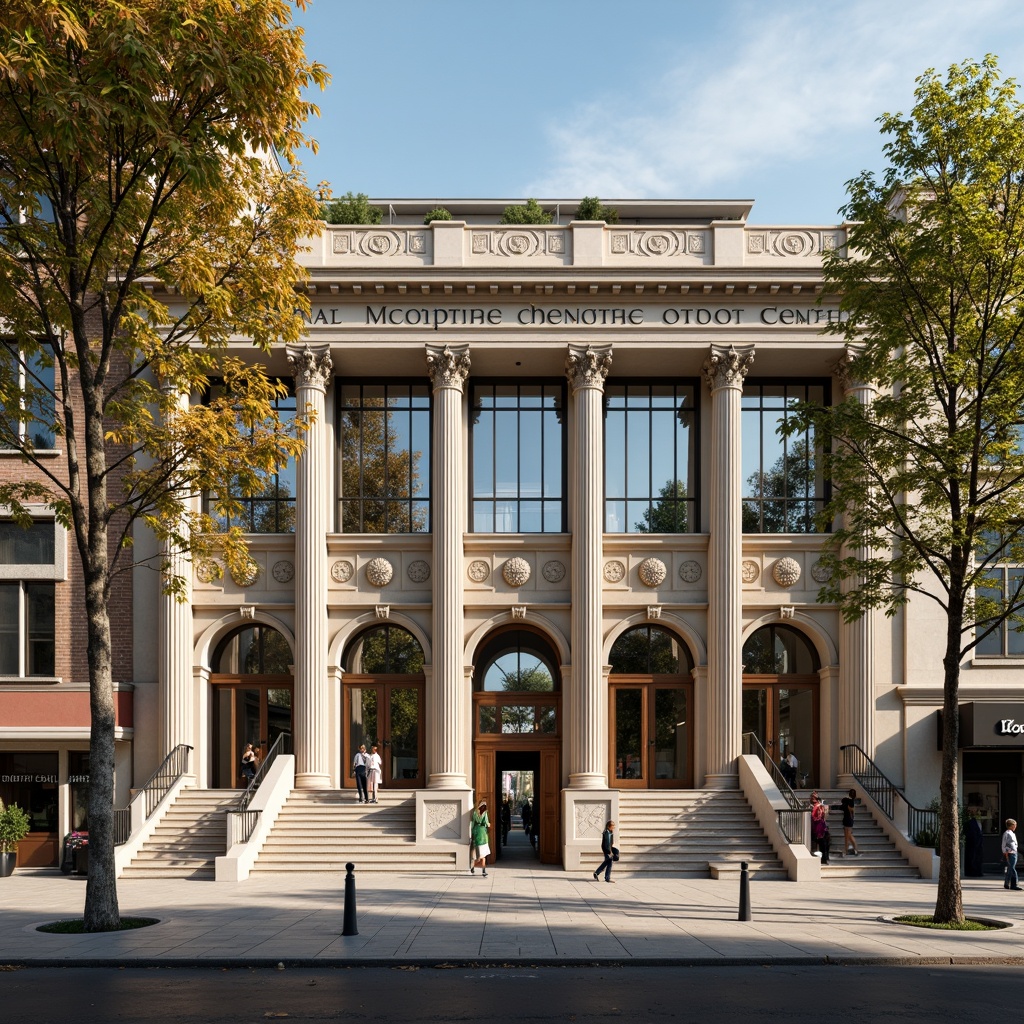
[(651, 693), (780, 696), (383, 693), (252, 698), (517, 732)]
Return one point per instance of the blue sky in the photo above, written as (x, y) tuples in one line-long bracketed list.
[(667, 99)]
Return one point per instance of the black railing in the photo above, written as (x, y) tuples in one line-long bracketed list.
[(173, 766), (790, 821), (921, 822), (241, 821)]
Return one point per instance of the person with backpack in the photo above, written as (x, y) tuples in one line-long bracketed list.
[(611, 854), (819, 826)]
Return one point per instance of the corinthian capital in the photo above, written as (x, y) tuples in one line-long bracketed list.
[(311, 365), (448, 366), (725, 367), (844, 371), (586, 366)]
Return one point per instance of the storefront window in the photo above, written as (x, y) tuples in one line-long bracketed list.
[(78, 784), (30, 780)]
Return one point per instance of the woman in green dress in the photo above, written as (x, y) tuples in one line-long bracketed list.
[(479, 849)]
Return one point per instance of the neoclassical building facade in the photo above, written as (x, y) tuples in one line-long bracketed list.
[(545, 522)]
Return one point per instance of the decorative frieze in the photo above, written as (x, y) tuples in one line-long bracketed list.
[(378, 242), (792, 244), (519, 242), (658, 243)]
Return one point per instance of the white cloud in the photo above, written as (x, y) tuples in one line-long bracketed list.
[(797, 81)]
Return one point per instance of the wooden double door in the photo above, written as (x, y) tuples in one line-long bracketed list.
[(652, 726), (387, 713)]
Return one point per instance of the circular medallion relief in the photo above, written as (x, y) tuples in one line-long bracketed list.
[(342, 571), (379, 572), (614, 571), (652, 572), (820, 573), (246, 574), (518, 244), (516, 571), (418, 571), (690, 571), (750, 571), (786, 572), (478, 571), (208, 570), (554, 571), (283, 571)]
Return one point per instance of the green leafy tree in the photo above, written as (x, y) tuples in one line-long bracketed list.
[(438, 213), (928, 476), (352, 209), (531, 213), (669, 514), (591, 208), (144, 224)]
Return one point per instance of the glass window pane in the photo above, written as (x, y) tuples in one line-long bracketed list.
[(671, 747), (517, 718), (628, 733), (404, 709), (363, 724), (39, 604), (34, 546), (487, 718), (10, 620)]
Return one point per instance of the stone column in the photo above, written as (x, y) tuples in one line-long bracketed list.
[(174, 647), (724, 371), (856, 639), (587, 366), (448, 367), (311, 366)]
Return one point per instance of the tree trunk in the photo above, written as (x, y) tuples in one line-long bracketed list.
[(949, 906)]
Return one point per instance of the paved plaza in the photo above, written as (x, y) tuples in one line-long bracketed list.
[(519, 914)]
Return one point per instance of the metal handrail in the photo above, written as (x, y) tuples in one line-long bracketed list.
[(254, 784), (885, 793), (157, 786), (795, 803)]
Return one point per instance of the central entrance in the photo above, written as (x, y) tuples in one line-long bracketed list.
[(517, 727)]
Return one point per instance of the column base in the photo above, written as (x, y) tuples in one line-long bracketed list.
[(584, 814), (312, 780), (725, 780), (442, 822), (448, 780), (588, 780)]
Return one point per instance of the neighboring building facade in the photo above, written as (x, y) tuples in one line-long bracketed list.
[(545, 524)]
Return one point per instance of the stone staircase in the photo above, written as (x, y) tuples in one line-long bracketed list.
[(878, 858), (684, 832), (191, 834), (322, 830)]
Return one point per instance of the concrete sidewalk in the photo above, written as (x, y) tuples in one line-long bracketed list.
[(517, 914)]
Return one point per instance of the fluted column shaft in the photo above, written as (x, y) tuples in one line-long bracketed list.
[(856, 639), (174, 646), (587, 367), (448, 367), (724, 372), (311, 365)]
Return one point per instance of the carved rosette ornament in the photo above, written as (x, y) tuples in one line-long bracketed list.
[(553, 571), (820, 573), (342, 571), (750, 571), (516, 572), (478, 570), (786, 572), (208, 570), (587, 366), (246, 574), (283, 571), (418, 571), (726, 367), (614, 571), (652, 572), (311, 365), (448, 367), (379, 572), (690, 571)]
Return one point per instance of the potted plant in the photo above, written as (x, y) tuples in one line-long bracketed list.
[(14, 826)]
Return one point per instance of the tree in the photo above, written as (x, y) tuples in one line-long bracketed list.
[(928, 476), (669, 514), (352, 209), (531, 213), (591, 208), (143, 224), (437, 213)]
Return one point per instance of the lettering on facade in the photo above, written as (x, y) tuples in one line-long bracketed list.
[(28, 778), (1010, 727)]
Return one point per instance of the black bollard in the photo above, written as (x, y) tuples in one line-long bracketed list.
[(349, 927), (744, 892)]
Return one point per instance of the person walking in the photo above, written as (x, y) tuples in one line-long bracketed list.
[(1009, 847), (847, 804), (609, 851), (479, 849), (819, 826), (374, 767), (360, 764)]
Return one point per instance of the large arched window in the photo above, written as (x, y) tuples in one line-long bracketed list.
[(253, 650), (651, 709), (516, 684), (383, 686), (780, 698)]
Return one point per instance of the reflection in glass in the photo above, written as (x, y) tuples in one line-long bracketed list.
[(405, 735), (671, 754), (779, 650), (388, 650), (648, 650), (517, 718), (363, 724), (487, 718), (628, 723)]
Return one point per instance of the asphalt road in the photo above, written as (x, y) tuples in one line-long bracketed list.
[(516, 994)]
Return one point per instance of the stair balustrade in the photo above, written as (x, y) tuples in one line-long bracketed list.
[(791, 821), (128, 820)]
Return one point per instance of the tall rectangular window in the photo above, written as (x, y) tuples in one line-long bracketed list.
[(1004, 584), (28, 417), (783, 486), (27, 628), (272, 510), (384, 442), (650, 458), (518, 458)]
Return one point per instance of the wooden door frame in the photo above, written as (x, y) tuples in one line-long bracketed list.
[(794, 681), (647, 684), (263, 683), (381, 683)]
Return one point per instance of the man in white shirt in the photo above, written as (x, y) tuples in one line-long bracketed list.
[(1010, 855)]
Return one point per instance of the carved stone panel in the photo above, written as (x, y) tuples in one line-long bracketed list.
[(750, 570), (442, 819), (591, 816), (283, 571), (690, 571)]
